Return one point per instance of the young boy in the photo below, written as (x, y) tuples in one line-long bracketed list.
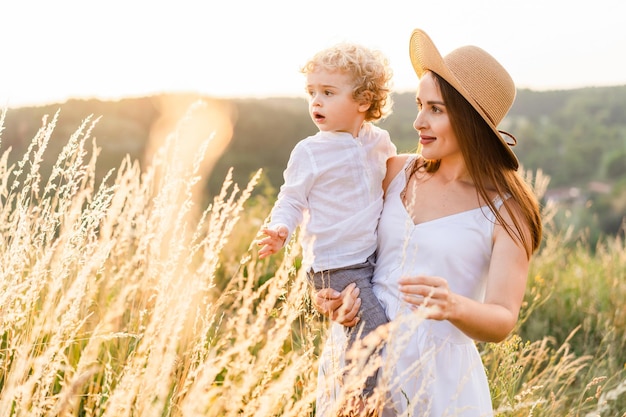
[(336, 177)]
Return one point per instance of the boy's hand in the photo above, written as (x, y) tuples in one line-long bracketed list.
[(273, 241)]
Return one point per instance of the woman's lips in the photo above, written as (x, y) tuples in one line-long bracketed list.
[(425, 140)]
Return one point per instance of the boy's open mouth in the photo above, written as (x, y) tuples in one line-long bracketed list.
[(318, 117)]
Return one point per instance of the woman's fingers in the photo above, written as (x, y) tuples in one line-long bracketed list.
[(427, 291), (347, 314), (421, 291), (326, 301), (340, 307)]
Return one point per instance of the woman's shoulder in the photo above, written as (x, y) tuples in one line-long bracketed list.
[(398, 162), (395, 164)]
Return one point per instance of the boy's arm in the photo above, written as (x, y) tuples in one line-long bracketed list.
[(291, 202)]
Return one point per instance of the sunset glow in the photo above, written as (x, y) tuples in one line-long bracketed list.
[(53, 51)]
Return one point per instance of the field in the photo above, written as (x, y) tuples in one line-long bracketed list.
[(135, 297)]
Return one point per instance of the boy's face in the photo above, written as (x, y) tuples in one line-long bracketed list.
[(331, 105)]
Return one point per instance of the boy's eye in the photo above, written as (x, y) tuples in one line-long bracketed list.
[(328, 92)]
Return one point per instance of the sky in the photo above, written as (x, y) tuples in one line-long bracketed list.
[(52, 51)]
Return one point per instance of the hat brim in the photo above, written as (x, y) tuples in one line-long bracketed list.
[(426, 57)]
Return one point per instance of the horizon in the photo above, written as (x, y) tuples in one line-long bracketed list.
[(251, 97)]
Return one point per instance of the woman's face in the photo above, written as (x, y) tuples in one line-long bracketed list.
[(433, 122)]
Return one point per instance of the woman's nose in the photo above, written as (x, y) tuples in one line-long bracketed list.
[(417, 123)]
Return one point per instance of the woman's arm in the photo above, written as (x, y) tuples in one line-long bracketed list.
[(493, 319)]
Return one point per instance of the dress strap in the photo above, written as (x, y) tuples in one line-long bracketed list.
[(498, 201), (409, 169)]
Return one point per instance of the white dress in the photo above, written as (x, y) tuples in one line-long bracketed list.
[(430, 368)]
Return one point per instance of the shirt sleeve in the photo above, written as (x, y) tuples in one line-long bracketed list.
[(292, 200), (391, 147)]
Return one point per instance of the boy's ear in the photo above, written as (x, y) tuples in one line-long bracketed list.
[(365, 101)]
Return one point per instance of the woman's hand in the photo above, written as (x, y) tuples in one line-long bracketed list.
[(431, 293), (341, 307)]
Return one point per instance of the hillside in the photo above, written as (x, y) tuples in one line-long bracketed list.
[(577, 137)]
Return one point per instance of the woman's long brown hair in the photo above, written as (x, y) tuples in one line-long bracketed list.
[(490, 165)]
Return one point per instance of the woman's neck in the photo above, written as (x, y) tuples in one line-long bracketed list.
[(450, 171)]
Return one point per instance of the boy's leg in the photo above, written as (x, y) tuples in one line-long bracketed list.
[(371, 316), (371, 312)]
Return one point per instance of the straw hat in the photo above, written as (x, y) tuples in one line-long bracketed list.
[(484, 83)]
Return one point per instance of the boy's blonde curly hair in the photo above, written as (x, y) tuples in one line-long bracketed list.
[(370, 72)]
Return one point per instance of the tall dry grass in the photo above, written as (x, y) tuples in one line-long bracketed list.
[(131, 298), (109, 305)]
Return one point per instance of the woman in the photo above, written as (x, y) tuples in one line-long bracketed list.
[(457, 231)]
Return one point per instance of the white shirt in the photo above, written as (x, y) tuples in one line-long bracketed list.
[(337, 180)]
